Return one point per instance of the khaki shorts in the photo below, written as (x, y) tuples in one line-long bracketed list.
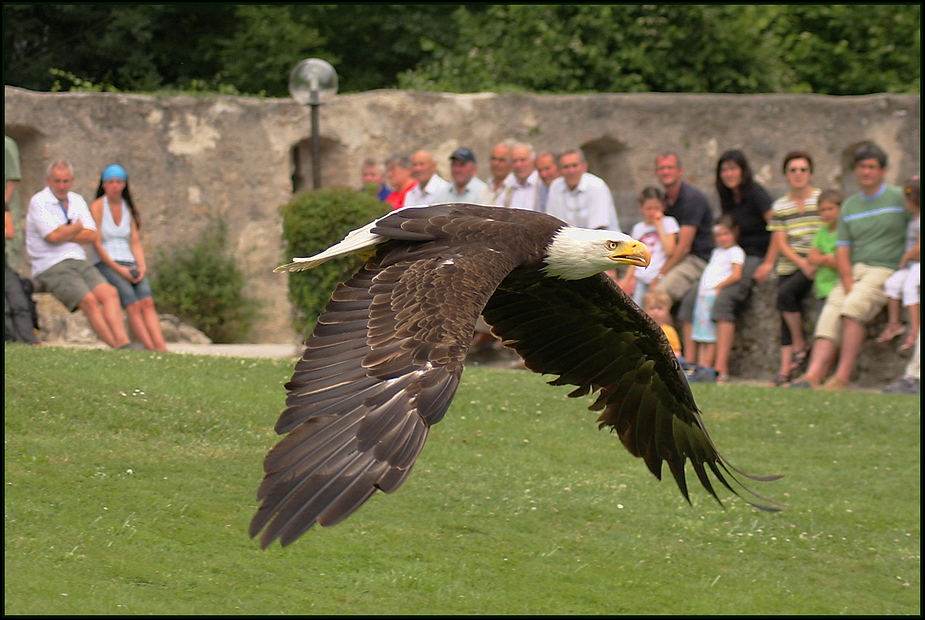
[(681, 278), (70, 281), (866, 299)]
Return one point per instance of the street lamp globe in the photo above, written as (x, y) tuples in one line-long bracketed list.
[(313, 82)]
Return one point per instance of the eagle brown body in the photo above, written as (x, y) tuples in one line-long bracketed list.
[(385, 358)]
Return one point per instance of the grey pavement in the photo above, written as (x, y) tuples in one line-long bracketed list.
[(279, 351)]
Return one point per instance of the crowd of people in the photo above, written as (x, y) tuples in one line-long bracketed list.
[(853, 256)]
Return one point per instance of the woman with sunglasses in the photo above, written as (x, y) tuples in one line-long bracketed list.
[(793, 225)]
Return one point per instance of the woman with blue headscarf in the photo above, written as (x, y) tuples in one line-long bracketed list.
[(121, 258)]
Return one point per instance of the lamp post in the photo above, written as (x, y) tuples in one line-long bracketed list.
[(312, 82)]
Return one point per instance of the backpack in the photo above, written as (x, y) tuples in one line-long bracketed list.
[(22, 317)]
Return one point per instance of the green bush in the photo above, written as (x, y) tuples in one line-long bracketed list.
[(203, 286), (312, 222)]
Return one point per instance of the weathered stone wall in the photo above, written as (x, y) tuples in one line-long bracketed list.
[(240, 158)]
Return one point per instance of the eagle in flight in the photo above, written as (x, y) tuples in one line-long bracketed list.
[(384, 360)]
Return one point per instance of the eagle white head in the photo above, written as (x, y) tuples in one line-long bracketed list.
[(576, 253)]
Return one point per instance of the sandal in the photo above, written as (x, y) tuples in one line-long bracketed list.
[(780, 380), (907, 345), (799, 358), (889, 332), (722, 378)]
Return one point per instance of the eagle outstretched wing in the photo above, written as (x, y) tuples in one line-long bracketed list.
[(592, 335), (381, 366), (385, 358)]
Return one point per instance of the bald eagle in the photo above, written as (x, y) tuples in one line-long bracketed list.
[(386, 355)]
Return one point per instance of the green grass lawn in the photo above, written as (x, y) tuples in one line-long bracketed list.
[(130, 479)]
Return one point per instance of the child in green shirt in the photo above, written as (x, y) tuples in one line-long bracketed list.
[(822, 251)]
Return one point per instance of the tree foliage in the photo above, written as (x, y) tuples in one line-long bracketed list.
[(829, 49)]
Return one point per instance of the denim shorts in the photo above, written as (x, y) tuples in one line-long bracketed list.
[(128, 293)]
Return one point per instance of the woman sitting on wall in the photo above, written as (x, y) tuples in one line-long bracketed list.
[(120, 257)]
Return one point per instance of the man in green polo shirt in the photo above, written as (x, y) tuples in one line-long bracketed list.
[(871, 241)]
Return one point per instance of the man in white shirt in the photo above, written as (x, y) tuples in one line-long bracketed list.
[(548, 168), (430, 185), (57, 226), (500, 164), (580, 198), (524, 181), (466, 187)]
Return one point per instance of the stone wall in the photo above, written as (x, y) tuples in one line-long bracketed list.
[(239, 158)]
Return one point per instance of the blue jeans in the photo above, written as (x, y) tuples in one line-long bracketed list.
[(128, 293)]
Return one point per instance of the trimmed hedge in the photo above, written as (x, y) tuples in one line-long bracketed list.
[(312, 222)]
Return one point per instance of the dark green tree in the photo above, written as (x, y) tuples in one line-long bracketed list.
[(851, 49), (831, 49), (131, 47), (266, 45), (600, 48)]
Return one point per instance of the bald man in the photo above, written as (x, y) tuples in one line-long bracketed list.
[(430, 184)]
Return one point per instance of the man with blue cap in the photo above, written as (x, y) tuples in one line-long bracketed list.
[(466, 187), (58, 224)]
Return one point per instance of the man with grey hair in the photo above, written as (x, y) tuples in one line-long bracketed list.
[(523, 184), (430, 185), (58, 224), (580, 198), (500, 165)]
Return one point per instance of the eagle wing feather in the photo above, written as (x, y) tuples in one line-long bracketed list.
[(381, 366), (591, 335)]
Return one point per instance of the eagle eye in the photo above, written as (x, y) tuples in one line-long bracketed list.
[(613, 245)]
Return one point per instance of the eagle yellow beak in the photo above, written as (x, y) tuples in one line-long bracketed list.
[(632, 252)]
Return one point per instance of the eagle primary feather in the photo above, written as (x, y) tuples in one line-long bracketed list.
[(385, 358)]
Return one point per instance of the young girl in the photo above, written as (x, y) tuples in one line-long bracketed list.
[(724, 269), (660, 234), (120, 257), (657, 304), (902, 288)]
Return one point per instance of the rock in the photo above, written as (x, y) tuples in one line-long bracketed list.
[(58, 326), (177, 331)]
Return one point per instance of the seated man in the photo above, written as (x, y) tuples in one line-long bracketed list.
[(871, 240), (689, 206), (58, 222)]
